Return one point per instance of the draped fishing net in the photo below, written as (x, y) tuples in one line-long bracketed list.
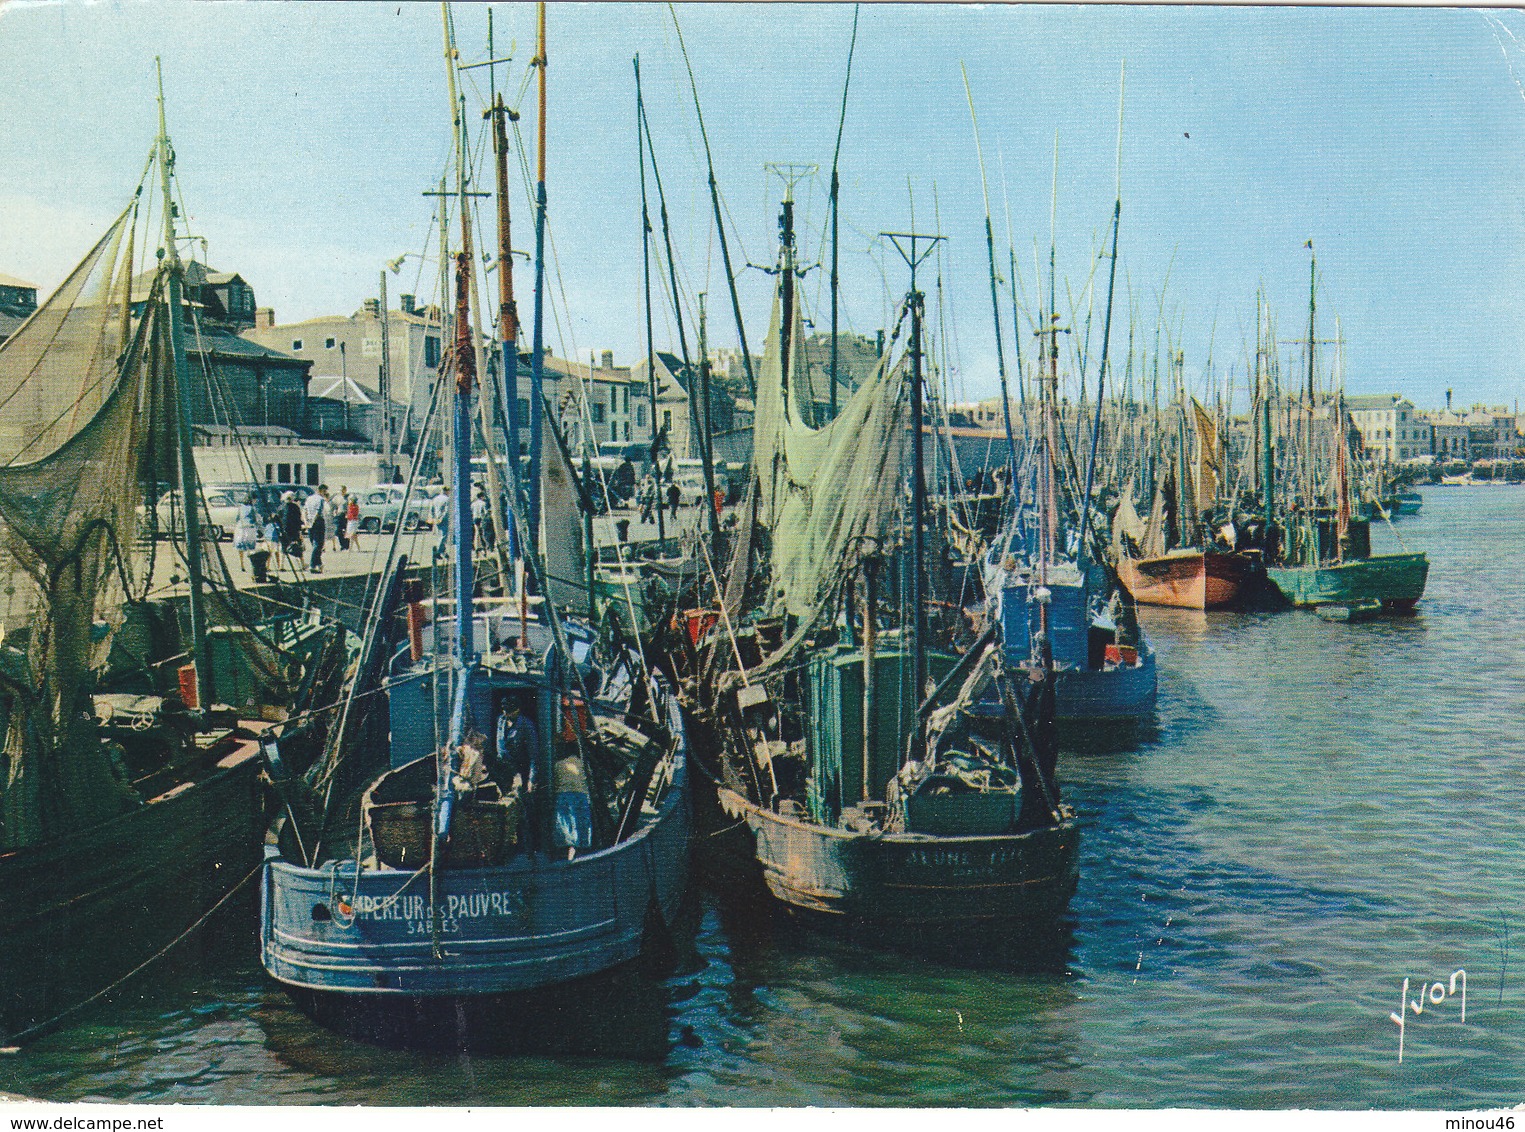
[(82, 385), (822, 493)]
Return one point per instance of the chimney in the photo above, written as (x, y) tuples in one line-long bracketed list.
[(608, 359), (407, 304), (1448, 400), (264, 317), (373, 307)]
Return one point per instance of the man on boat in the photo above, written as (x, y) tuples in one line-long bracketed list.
[(517, 741)]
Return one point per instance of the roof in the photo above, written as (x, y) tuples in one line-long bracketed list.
[(345, 389), (1376, 401), (246, 431), (12, 281), (223, 345)]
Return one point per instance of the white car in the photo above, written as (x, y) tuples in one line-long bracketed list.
[(219, 514), (380, 506)]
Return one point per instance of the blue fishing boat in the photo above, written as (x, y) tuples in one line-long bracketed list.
[(528, 827)]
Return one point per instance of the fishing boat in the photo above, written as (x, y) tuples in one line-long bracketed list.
[(131, 808), (1325, 554), (880, 782), (1169, 558), (1185, 578), (528, 827)]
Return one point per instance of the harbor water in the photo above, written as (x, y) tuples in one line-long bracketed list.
[(1325, 811)]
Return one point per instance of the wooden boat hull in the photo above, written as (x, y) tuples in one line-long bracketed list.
[(944, 889), (84, 912), (503, 930), (1119, 696), (1396, 580), (1201, 580)]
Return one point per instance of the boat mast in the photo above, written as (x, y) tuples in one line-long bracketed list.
[(537, 363), (1106, 334), (651, 363), (995, 305), (725, 248), (190, 490), (1310, 480), (508, 309), (835, 190), (913, 256), (1267, 449), (465, 367)]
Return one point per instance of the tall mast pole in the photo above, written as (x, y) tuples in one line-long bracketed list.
[(913, 255), (995, 306), (190, 490), (1106, 333), (508, 309), (725, 248), (651, 352), (464, 365), (386, 382), (835, 190), (537, 363)]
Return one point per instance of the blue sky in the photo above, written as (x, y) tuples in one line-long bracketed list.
[(1394, 139)]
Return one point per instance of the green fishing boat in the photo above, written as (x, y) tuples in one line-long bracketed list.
[(1325, 557), (1396, 580)]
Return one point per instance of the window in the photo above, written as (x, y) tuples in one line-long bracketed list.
[(524, 411), (312, 475), (269, 473), (598, 412), (285, 470), (640, 416), (296, 343), (667, 419), (431, 351), (328, 343)]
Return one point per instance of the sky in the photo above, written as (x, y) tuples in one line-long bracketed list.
[(305, 135)]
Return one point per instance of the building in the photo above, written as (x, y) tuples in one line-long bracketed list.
[(1492, 433), (18, 299), (349, 347), (235, 382), (1391, 431), (342, 409), (1450, 436)]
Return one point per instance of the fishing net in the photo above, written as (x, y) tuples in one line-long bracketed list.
[(823, 491), (82, 387)]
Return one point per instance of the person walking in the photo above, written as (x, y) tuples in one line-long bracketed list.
[(246, 530), (352, 521), (674, 497), (646, 496), (291, 525), (315, 511), (341, 516), (480, 538)]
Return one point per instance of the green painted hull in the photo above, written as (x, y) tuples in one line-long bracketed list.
[(1396, 580)]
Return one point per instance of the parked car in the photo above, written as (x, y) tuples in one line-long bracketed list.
[(690, 489), (219, 514), (381, 505)]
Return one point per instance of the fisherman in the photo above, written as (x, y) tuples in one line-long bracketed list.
[(516, 745)]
